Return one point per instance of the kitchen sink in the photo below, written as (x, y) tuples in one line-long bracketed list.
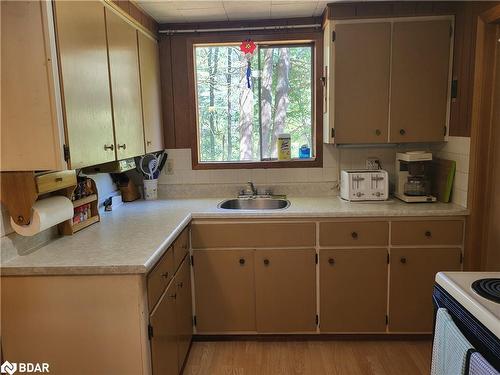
[(254, 204)]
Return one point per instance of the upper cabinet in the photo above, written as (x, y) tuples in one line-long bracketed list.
[(387, 80), (125, 86), (149, 60), (83, 56), (74, 71)]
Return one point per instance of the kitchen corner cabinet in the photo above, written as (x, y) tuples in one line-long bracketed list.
[(149, 60), (75, 95), (387, 80)]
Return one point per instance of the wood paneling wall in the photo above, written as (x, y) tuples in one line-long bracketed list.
[(137, 14)]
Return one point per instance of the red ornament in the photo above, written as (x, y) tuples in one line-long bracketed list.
[(247, 46)]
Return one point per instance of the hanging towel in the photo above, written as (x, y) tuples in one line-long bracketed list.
[(478, 365), (449, 350)]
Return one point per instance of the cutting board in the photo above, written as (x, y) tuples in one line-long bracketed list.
[(443, 174)]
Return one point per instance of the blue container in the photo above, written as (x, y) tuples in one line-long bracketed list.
[(304, 152)]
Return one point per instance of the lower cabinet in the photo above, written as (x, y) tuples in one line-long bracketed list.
[(412, 272), (164, 345), (353, 290), (225, 290), (183, 311), (285, 290)]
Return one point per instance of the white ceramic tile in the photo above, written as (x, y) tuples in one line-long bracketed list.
[(330, 174), (258, 176), (461, 180), (314, 174)]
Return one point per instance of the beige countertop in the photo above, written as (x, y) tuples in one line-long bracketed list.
[(131, 239)]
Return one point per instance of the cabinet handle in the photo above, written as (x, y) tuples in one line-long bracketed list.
[(242, 261), (185, 247), (58, 179), (124, 146), (266, 262), (165, 275), (402, 131), (173, 296), (377, 132), (110, 147), (331, 261), (354, 235), (403, 260), (180, 285), (428, 233), (148, 143)]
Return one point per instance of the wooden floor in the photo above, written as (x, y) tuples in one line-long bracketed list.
[(349, 357)]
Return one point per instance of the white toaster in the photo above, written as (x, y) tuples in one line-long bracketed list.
[(364, 185)]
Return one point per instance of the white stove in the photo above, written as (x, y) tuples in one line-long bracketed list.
[(459, 286)]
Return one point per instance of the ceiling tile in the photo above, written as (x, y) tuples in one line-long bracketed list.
[(238, 11), (293, 10), (202, 15)]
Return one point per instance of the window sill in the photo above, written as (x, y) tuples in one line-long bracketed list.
[(294, 163)]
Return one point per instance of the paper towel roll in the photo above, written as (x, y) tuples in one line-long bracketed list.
[(46, 213)]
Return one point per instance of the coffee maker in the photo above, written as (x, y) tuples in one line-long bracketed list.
[(413, 176)]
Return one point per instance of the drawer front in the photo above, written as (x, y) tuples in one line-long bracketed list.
[(49, 182), (181, 248), (159, 277), (421, 233), (233, 235), (375, 233)]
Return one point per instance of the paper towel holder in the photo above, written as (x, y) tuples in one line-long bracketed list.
[(20, 190)]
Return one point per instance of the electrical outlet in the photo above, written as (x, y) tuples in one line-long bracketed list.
[(372, 163), (169, 167)]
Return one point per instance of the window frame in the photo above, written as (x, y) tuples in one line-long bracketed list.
[(280, 38)]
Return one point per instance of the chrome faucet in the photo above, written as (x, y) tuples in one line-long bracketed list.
[(250, 189)]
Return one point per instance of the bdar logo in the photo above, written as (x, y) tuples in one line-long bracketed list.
[(8, 368)]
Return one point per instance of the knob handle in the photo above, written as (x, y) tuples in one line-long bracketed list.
[(148, 143), (124, 146), (164, 275), (266, 262), (185, 247), (428, 233), (377, 132), (173, 296), (403, 260), (331, 261), (402, 131), (242, 261), (354, 235), (110, 147), (180, 285)]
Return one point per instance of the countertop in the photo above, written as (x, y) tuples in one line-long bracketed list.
[(131, 239)]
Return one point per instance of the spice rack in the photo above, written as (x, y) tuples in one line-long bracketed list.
[(86, 210)]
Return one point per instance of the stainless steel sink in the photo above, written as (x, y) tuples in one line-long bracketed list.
[(254, 204)]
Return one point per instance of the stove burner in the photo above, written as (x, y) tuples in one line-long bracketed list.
[(488, 288)]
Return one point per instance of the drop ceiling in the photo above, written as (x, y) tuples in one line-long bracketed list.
[(168, 11)]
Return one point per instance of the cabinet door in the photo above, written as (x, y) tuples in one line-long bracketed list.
[(285, 290), (81, 37), (225, 290), (164, 340), (412, 273), (353, 290), (125, 86), (362, 65), (419, 81), (184, 311), (149, 60)]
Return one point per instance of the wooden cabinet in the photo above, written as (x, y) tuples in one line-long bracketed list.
[(181, 247), (285, 290), (224, 290), (164, 348), (149, 61), (387, 80), (160, 277), (361, 82), (353, 290), (412, 273), (125, 86), (420, 81), (184, 311), (356, 233), (81, 28)]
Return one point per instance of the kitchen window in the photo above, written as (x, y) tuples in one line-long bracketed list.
[(239, 118)]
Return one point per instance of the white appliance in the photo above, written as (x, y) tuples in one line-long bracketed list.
[(364, 185), (472, 299), (413, 180)]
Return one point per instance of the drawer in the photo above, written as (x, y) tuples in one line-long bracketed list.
[(427, 232), (48, 182), (159, 277), (208, 235), (181, 248), (362, 233)]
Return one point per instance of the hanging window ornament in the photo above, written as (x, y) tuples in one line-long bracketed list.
[(248, 48)]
